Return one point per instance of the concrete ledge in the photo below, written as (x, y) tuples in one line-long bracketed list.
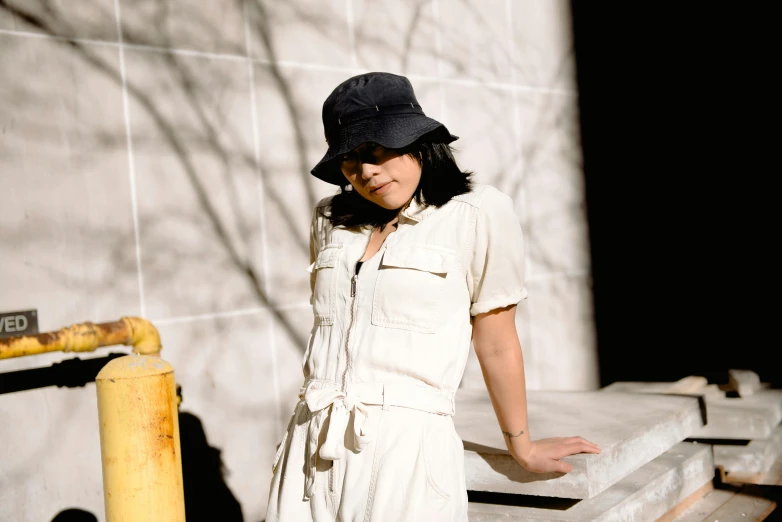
[(756, 457), (744, 418), (744, 382), (631, 430), (753, 417), (687, 386), (645, 495), (772, 477)]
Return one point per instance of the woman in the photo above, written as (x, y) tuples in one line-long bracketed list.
[(410, 262)]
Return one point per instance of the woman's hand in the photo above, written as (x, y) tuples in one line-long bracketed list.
[(542, 456)]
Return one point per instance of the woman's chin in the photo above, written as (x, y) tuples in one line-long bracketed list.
[(391, 199)]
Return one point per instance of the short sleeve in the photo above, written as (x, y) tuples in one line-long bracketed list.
[(318, 235), (314, 249), (496, 272)]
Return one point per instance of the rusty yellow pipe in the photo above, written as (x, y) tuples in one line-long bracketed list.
[(86, 337), (139, 440)]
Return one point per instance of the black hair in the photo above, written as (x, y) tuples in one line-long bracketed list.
[(441, 180)]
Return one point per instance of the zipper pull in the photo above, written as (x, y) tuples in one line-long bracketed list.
[(353, 286)]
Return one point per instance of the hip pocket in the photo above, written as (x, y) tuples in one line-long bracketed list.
[(437, 445), (290, 453), (281, 447), (411, 287), (324, 295)]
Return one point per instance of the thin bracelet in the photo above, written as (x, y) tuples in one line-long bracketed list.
[(510, 435)]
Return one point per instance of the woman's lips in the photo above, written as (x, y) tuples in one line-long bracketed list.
[(381, 189)]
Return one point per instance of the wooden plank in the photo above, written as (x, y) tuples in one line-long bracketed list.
[(687, 503), (713, 500), (745, 507)]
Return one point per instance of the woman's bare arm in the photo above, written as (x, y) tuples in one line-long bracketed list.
[(499, 353)]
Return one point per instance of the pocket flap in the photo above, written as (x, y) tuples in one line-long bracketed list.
[(418, 257), (326, 258)]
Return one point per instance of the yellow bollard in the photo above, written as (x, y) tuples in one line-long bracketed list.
[(139, 440)]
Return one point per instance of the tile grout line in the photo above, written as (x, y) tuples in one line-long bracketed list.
[(523, 192), (261, 221), (438, 43), (351, 34), (301, 65), (206, 317), (551, 276), (131, 162), (226, 315)]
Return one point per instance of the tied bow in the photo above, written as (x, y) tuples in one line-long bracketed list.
[(337, 406)]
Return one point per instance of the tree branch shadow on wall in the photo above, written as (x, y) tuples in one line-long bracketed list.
[(228, 230), (207, 133), (226, 227)]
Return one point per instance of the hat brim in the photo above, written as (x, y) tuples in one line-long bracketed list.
[(393, 132)]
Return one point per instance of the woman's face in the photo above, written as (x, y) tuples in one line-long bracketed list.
[(381, 175)]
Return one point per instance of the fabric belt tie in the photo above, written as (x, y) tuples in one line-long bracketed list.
[(337, 406)]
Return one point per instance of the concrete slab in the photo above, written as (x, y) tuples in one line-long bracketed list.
[(745, 382), (772, 477), (756, 457), (687, 503), (744, 418), (712, 390), (753, 417), (645, 495), (631, 430), (689, 386)]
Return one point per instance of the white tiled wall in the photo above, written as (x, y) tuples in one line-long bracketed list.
[(162, 170)]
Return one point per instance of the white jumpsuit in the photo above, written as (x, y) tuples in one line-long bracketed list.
[(372, 437)]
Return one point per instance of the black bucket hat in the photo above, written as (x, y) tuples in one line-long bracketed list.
[(378, 107)]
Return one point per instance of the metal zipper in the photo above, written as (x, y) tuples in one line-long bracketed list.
[(353, 304), (353, 301), (353, 291)]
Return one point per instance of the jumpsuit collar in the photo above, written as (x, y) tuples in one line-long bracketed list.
[(413, 212), (417, 212)]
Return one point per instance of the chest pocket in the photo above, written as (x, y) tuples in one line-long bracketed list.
[(324, 296), (410, 287)]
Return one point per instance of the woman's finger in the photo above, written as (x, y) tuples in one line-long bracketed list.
[(563, 467), (581, 440), (565, 450), (583, 447)]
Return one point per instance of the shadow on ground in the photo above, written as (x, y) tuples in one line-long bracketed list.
[(207, 496)]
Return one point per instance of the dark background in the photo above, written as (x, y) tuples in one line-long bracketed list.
[(679, 112)]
